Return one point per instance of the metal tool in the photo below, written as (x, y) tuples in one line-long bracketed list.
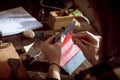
[(34, 56), (14, 65), (25, 49), (66, 31)]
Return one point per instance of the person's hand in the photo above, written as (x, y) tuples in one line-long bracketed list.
[(53, 53), (87, 43), (52, 50)]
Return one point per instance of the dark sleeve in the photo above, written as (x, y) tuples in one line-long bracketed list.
[(103, 71), (52, 79)]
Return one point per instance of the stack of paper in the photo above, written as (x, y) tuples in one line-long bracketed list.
[(14, 21)]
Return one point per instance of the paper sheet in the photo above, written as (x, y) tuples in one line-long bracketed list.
[(14, 21)]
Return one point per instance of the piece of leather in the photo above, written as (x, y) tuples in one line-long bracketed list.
[(69, 49), (72, 56)]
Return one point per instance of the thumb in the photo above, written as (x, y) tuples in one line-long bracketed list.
[(50, 40), (59, 43)]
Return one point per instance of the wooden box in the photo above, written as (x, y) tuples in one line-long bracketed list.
[(57, 22)]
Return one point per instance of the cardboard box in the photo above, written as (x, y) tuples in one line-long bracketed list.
[(57, 22)]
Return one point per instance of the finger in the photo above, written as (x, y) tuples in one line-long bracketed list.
[(92, 38), (50, 40), (74, 35), (62, 38), (46, 48), (87, 36), (58, 44), (42, 45), (83, 34)]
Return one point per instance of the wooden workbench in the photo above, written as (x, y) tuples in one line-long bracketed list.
[(41, 65)]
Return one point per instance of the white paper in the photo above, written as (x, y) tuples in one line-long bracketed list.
[(17, 20)]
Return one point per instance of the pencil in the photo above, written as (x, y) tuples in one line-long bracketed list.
[(86, 42)]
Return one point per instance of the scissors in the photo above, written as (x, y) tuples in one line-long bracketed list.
[(65, 32)]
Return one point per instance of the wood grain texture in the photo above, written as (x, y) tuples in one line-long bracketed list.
[(6, 53)]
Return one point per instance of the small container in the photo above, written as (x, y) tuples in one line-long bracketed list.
[(57, 22)]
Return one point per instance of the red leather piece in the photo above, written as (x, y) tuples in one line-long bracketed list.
[(69, 49)]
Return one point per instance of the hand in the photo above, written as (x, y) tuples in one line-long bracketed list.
[(52, 50), (88, 50)]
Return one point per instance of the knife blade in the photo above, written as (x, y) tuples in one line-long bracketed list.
[(65, 32)]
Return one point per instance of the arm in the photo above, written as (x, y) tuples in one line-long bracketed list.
[(54, 72), (53, 53)]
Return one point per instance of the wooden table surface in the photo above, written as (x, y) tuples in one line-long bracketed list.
[(40, 65), (19, 41)]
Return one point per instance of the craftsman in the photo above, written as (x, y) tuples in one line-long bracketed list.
[(107, 65)]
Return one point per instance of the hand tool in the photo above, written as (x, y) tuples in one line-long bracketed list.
[(25, 49), (66, 31), (34, 56)]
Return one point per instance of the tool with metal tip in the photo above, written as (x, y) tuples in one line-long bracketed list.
[(65, 32)]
